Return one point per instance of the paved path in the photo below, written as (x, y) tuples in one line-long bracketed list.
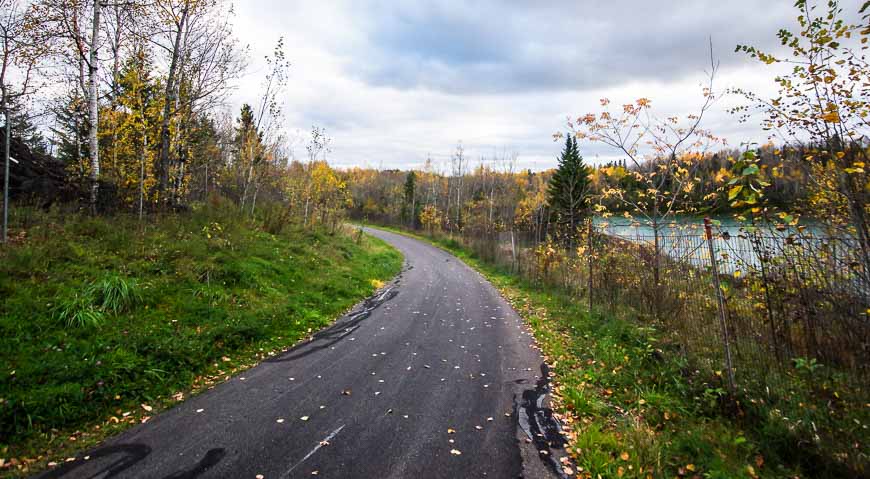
[(424, 381)]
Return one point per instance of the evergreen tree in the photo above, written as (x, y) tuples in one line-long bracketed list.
[(128, 152), (568, 192), (409, 203), (23, 127), (249, 151), (71, 135)]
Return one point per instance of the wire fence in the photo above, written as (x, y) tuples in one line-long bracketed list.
[(755, 305)]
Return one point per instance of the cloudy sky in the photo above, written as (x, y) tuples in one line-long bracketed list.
[(395, 81)]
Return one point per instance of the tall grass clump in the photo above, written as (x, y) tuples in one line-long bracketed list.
[(114, 293), (111, 294), (78, 311)]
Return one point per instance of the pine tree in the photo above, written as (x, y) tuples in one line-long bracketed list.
[(71, 132), (568, 192), (409, 203), (23, 127)]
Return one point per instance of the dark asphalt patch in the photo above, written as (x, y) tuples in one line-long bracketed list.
[(539, 424), (346, 325)]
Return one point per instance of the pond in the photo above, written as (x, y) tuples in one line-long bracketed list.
[(683, 238)]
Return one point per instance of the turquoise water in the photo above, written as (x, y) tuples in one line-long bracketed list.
[(683, 238)]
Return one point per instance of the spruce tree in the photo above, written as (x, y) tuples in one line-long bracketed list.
[(568, 192), (409, 203)]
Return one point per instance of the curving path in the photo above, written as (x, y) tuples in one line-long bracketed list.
[(432, 378)]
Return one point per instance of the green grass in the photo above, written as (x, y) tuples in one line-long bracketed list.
[(104, 321), (633, 407)]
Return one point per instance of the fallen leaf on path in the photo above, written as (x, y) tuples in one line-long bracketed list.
[(455, 452), (304, 418)]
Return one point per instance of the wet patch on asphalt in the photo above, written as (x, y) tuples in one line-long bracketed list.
[(539, 424), (344, 326)]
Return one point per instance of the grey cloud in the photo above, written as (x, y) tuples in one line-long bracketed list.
[(497, 47)]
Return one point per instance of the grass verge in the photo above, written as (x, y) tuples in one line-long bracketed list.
[(107, 321), (633, 408)]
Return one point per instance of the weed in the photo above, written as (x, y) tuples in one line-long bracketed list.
[(114, 293), (78, 311)]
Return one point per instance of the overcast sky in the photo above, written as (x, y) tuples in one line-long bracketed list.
[(395, 81)]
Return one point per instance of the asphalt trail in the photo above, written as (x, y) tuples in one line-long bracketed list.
[(426, 380)]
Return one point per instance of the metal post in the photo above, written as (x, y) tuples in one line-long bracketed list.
[(720, 296), (589, 256), (6, 155)]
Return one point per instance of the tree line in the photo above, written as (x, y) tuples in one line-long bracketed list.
[(131, 96)]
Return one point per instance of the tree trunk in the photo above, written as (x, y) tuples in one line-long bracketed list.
[(254, 198), (248, 177), (116, 65), (6, 157), (413, 211), (162, 169), (142, 173), (305, 218), (93, 106), (82, 172)]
